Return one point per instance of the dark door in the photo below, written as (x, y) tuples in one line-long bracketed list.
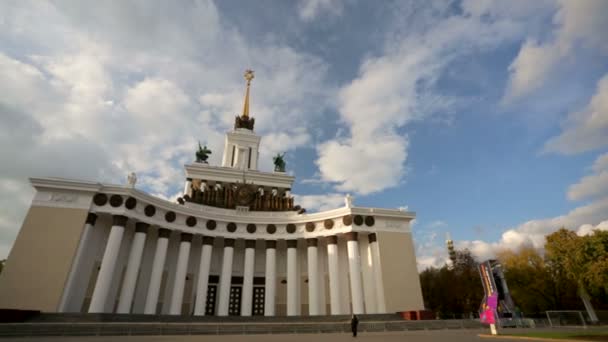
[(211, 297), (234, 305), (258, 301)]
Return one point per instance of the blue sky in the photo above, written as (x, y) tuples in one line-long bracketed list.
[(489, 119)]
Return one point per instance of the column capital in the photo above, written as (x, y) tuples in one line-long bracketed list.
[(351, 236), (312, 242), (164, 233), (229, 243), (271, 244), (372, 237), (119, 220), (186, 237), (208, 240), (141, 227), (249, 243), (91, 218), (332, 240), (292, 243)]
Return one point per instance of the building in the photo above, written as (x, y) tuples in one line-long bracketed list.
[(234, 244)]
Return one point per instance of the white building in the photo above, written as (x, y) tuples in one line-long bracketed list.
[(235, 245)]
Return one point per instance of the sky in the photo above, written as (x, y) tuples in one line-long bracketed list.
[(489, 119)]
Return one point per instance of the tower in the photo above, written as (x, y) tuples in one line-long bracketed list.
[(237, 183), (241, 145)]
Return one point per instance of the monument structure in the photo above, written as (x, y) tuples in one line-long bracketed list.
[(234, 244)]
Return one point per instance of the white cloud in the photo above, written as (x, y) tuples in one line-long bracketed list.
[(530, 67), (314, 203), (395, 89), (363, 166), (588, 229), (533, 233), (309, 10), (109, 88), (592, 185), (578, 23), (586, 129)]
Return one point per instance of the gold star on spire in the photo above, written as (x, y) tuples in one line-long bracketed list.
[(248, 76)]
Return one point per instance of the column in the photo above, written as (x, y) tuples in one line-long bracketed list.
[(313, 277), (177, 297), (373, 244), (271, 278), (188, 187), (77, 263), (356, 287), (225, 278), (249, 266), (203, 276), (158, 266), (108, 265), (130, 280), (332, 270), (292, 277)]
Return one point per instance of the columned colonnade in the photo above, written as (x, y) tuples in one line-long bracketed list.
[(105, 277)]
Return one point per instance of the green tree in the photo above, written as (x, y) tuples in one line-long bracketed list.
[(453, 292), (533, 285), (580, 259)]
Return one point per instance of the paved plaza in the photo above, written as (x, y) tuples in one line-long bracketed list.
[(411, 336)]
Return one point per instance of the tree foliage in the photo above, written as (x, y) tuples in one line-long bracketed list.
[(538, 281), (453, 292)]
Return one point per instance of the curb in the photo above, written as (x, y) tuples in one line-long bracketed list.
[(513, 337)]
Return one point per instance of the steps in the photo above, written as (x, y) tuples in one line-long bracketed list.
[(115, 325)]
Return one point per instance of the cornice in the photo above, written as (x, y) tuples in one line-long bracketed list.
[(65, 184), (228, 174), (56, 192)]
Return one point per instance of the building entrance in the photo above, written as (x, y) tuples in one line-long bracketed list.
[(258, 301), (234, 305)]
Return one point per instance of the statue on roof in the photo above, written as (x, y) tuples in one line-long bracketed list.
[(202, 154), (279, 162)]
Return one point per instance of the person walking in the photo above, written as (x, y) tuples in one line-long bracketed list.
[(354, 322)]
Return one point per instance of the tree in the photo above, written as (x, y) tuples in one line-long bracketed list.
[(455, 292), (578, 259), (533, 285)]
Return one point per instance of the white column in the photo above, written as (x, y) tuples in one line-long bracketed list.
[(380, 303), (203, 276), (246, 298), (128, 285), (292, 277), (188, 187), (158, 266), (177, 297), (313, 277), (333, 271), (271, 278), (356, 287), (225, 278), (77, 263), (108, 265)]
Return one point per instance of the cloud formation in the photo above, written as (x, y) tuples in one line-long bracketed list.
[(397, 87), (94, 91), (586, 129), (309, 10), (592, 185), (577, 25)]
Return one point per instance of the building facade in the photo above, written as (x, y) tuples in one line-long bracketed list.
[(234, 244)]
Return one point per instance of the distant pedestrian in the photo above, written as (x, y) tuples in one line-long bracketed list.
[(354, 322)]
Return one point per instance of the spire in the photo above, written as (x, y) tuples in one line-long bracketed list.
[(244, 121), (248, 76)]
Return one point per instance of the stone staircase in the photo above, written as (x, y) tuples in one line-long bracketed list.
[(50, 324)]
